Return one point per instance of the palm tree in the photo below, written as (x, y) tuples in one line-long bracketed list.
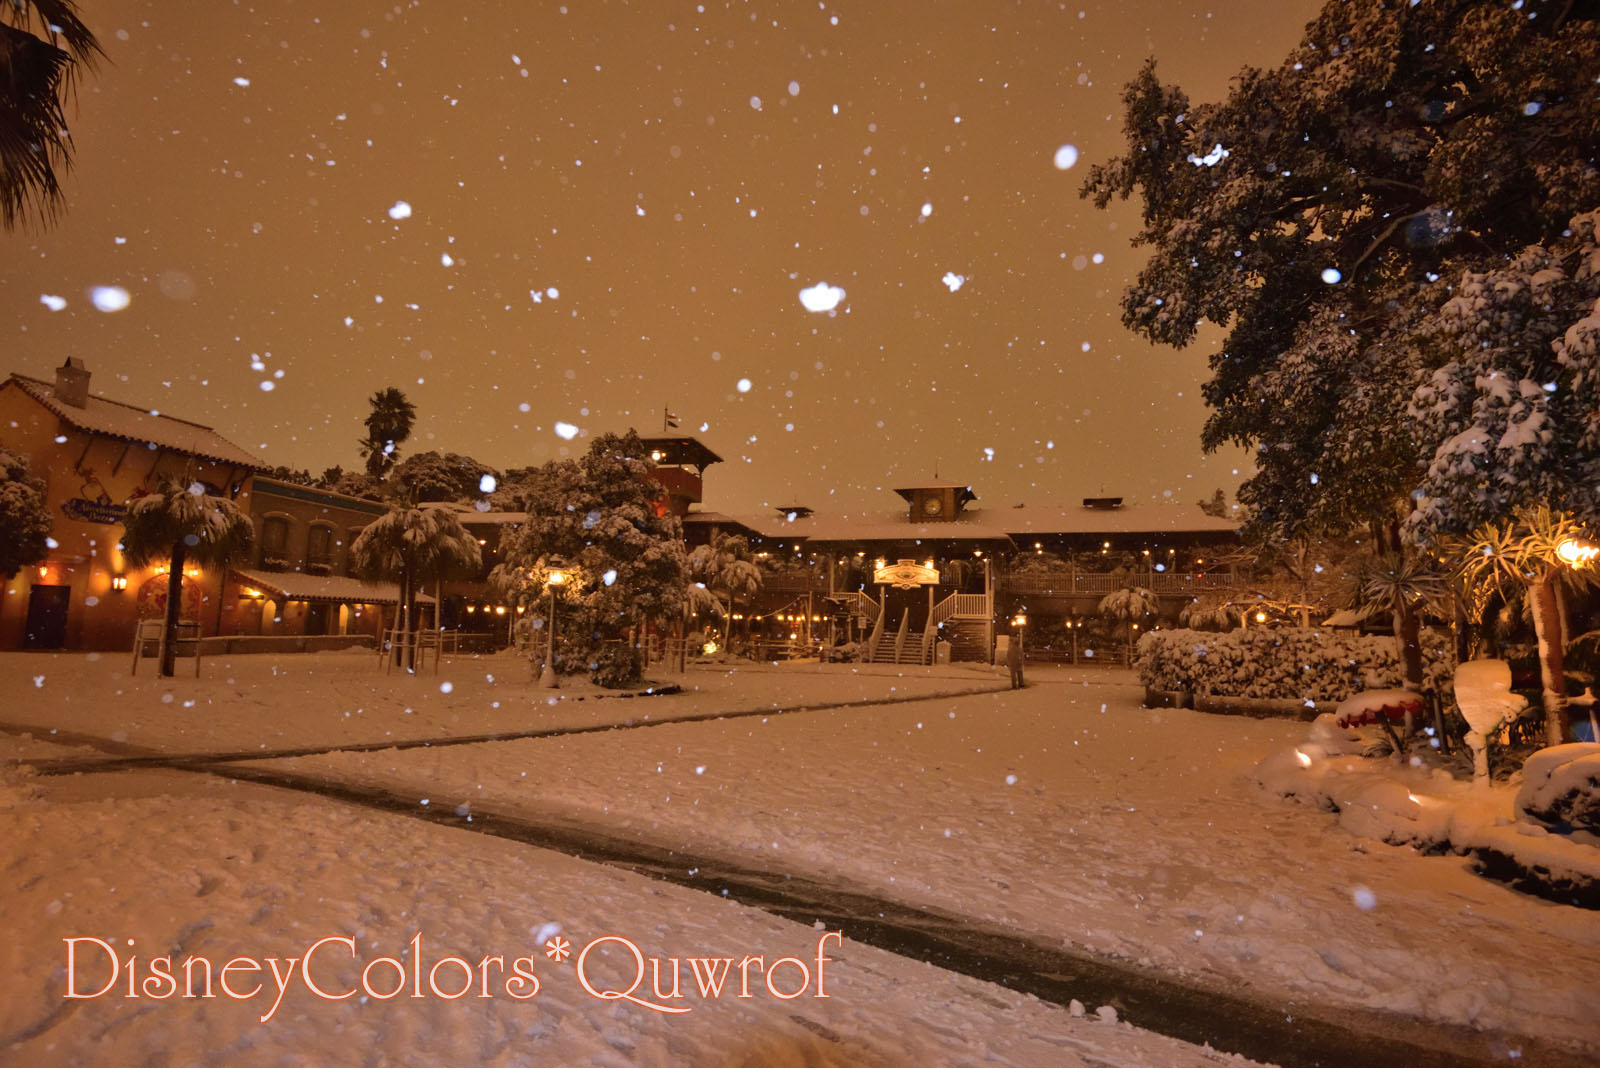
[(1403, 586), (1209, 614), (182, 522), (35, 76), (410, 546), (724, 566), (1527, 554), (1129, 605), (389, 424)]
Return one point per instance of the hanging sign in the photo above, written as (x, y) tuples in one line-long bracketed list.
[(86, 511), (906, 575)]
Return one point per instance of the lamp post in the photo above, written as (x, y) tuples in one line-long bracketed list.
[(1072, 632), (547, 678)]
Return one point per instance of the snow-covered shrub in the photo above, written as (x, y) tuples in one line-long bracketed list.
[(1305, 663), (616, 664), (1561, 786)]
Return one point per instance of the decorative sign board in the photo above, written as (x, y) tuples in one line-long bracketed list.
[(86, 511), (906, 575)]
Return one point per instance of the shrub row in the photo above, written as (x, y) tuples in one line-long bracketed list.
[(1306, 663)]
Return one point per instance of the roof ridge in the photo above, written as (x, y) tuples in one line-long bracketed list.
[(155, 412)]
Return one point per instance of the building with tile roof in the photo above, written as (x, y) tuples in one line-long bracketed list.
[(95, 455)]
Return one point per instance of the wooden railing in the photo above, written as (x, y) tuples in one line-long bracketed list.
[(805, 579), (858, 603), (874, 638), (1066, 583), (900, 635)]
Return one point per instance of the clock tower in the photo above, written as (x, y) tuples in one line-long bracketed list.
[(936, 502)]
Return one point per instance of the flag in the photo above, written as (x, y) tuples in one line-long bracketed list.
[(670, 419)]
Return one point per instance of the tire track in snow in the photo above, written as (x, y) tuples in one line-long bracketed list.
[(121, 756)]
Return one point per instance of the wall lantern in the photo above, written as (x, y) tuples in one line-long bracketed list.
[(119, 582)]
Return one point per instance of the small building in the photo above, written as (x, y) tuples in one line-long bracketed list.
[(302, 580), (95, 455)]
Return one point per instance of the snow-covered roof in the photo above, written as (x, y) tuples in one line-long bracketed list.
[(873, 526), (298, 586), (1128, 519), (995, 524), (468, 515), (141, 426)]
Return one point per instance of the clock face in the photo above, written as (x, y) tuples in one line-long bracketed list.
[(931, 506)]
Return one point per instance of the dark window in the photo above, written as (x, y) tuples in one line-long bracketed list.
[(275, 542), (319, 546)]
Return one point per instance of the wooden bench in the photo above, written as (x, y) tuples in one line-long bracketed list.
[(150, 635)]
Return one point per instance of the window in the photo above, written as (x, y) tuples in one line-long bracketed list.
[(319, 545), (275, 542)]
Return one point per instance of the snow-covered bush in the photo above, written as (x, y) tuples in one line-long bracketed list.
[(1306, 663), (1561, 786), (615, 664)]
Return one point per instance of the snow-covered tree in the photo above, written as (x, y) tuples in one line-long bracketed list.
[(1401, 586), (436, 476), (1128, 606), (1513, 413), (1209, 613), (24, 518), (180, 522), (726, 567), (410, 545), (1323, 210), (605, 517)]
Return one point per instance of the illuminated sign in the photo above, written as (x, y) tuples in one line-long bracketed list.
[(906, 575)]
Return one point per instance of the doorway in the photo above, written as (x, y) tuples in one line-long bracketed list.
[(47, 617)]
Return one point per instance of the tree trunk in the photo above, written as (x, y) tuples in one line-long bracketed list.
[(169, 642), (1408, 639), (410, 594), (1551, 631)]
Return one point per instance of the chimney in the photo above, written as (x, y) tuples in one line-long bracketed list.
[(72, 383)]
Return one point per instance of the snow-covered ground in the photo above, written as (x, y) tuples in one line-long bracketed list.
[(1064, 812)]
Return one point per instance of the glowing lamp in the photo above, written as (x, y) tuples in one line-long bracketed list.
[(1575, 553)]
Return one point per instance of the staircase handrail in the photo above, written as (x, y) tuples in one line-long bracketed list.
[(900, 635), (874, 638)]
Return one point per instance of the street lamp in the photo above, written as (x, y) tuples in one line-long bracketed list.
[(547, 678)]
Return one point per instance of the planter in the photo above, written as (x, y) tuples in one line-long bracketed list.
[(1154, 698), (1260, 707)]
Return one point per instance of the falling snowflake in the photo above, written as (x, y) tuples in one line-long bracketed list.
[(821, 297)]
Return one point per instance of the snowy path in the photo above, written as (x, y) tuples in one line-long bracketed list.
[(1063, 815), (1185, 1011)]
